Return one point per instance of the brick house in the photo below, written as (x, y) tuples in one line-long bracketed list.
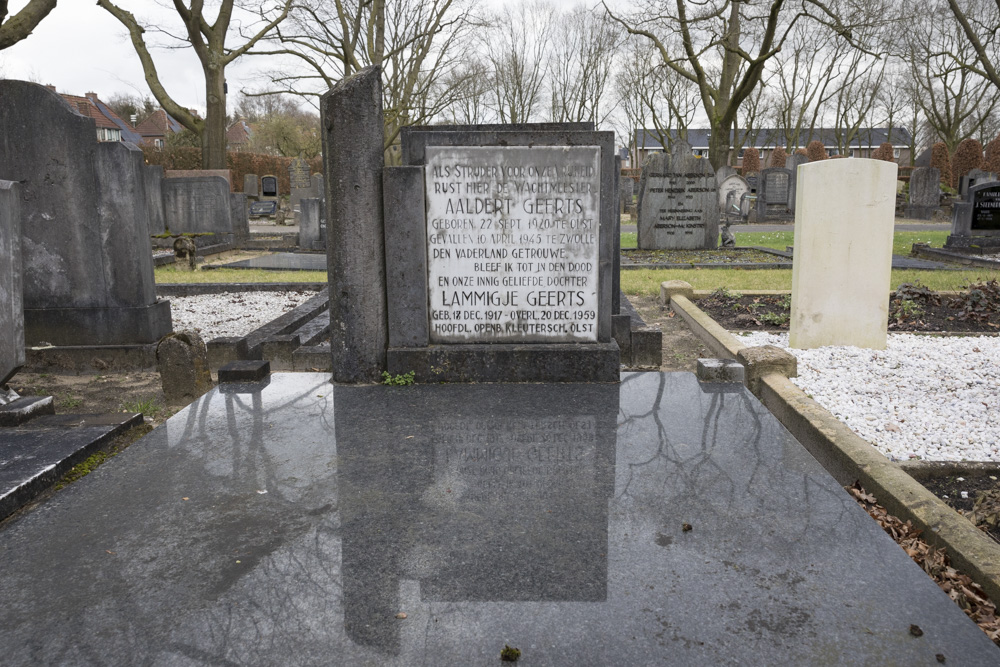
[(110, 127)]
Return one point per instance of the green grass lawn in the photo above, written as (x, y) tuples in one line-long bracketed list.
[(902, 242)]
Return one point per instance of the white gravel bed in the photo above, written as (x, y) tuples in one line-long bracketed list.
[(927, 397), (232, 313)]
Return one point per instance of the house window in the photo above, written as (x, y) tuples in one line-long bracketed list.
[(740, 155), (158, 143), (895, 153)]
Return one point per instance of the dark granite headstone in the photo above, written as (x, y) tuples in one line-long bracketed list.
[(88, 269), (974, 177), (199, 205), (154, 198), (309, 224), (678, 202), (352, 127), (251, 185), (976, 221), (269, 186), (11, 310), (775, 194), (260, 209), (925, 193)]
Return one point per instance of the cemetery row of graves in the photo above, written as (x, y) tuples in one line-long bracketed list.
[(488, 270)]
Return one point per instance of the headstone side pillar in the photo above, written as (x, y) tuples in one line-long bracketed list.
[(406, 256), (351, 114), (11, 306)]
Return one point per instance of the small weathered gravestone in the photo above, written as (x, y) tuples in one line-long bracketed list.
[(775, 196), (182, 361), (976, 221), (11, 310), (154, 198), (974, 177), (731, 193), (87, 265), (269, 187), (678, 202), (924, 159), (251, 185), (301, 182), (199, 205), (792, 164), (840, 287), (309, 224), (318, 187), (793, 161), (240, 217), (925, 193), (625, 184)]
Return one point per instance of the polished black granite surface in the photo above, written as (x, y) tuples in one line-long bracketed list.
[(280, 261), (291, 522)]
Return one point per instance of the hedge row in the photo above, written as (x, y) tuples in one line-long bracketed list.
[(240, 164)]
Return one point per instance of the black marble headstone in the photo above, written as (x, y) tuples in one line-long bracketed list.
[(269, 186), (986, 209)]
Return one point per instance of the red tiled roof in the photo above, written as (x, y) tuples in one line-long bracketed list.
[(86, 107), (158, 125), (239, 133)]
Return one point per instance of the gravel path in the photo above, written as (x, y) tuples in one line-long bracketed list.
[(923, 397), (232, 314)]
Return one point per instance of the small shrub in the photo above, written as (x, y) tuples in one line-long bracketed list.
[(404, 380), (883, 152), (992, 162), (801, 151), (148, 407), (816, 151), (968, 156), (778, 157), (978, 302), (751, 161), (942, 160)]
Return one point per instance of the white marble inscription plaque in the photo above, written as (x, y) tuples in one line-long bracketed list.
[(512, 243)]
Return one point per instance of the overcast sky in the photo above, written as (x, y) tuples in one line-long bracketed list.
[(81, 48)]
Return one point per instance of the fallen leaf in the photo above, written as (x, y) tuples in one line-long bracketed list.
[(685, 527), (916, 631), (111, 552), (401, 615), (185, 499)]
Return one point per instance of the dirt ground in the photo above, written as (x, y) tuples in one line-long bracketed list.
[(681, 348)]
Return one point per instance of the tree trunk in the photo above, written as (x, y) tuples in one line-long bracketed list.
[(718, 144), (213, 137)]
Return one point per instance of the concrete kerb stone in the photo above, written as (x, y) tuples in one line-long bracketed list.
[(765, 360), (722, 343), (849, 458), (670, 288)]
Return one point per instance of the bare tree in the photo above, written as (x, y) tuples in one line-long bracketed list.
[(856, 97), (582, 59), (517, 48), (413, 41), (725, 45), (955, 101), (471, 86), (209, 43), (980, 21), (15, 28)]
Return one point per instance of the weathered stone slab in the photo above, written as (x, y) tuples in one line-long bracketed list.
[(154, 198), (309, 217), (11, 308), (239, 214), (512, 239), (200, 173), (843, 253), (301, 182), (251, 185), (925, 193), (262, 209), (678, 202), (775, 196), (199, 205), (351, 116), (318, 188)]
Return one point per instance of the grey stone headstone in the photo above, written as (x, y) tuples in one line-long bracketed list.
[(240, 216), (88, 270), (351, 117), (925, 193), (731, 193), (199, 205), (269, 186), (724, 172), (318, 189), (251, 185), (793, 161), (301, 182), (776, 196), (154, 198), (11, 310), (678, 202), (974, 177), (924, 159), (406, 255), (624, 193), (309, 224)]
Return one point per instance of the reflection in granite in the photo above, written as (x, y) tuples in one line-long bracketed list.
[(290, 522), (280, 261)]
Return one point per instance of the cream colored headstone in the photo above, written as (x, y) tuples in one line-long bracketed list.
[(843, 253)]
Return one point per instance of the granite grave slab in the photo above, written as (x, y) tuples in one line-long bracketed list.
[(279, 261), (291, 521)]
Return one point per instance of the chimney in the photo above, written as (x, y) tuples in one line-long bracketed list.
[(91, 96), (133, 118), (50, 87)]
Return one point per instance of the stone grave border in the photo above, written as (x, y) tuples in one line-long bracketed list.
[(846, 456), (406, 261)]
